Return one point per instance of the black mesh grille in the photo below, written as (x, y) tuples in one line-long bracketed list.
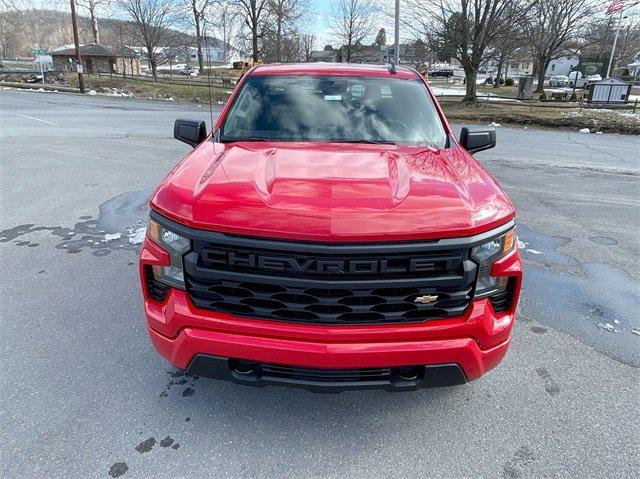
[(325, 375), (157, 290), (330, 284), (501, 302)]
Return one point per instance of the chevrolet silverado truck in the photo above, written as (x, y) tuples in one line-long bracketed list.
[(331, 233)]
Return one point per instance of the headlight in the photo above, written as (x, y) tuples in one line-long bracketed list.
[(176, 246), (486, 254)]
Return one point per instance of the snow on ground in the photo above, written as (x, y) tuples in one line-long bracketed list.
[(136, 236), (626, 114)]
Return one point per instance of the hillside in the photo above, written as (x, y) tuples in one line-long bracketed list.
[(20, 31)]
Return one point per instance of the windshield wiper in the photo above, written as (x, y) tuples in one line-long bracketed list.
[(232, 139), (367, 142)]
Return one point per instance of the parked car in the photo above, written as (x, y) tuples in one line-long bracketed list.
[(580, 81), (559, 80), (189, 71), (332, 241), (441, 73)]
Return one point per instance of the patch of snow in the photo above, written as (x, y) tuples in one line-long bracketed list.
[(111, 237), (169, 98), (522, 244), (633, 116), (494, 124), (534, 251), (636, 331), (584, 131), (608, 327), (220, 102), (136, 236), (40, 89), (92, 92), (616, 321)]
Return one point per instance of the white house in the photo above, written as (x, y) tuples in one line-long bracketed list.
[(634, 66), (562, 65)]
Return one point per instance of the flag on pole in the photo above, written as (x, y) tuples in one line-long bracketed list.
[(615, 6)]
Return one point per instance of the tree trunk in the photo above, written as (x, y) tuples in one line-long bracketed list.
[(279, 41), (196, 18), (254, 41), (543, 63), (152, 62), (496, 82), (94, 21), (470, 75)]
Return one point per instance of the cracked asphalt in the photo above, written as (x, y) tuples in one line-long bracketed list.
[(83, 393)]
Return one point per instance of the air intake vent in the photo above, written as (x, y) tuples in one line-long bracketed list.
[(157, 290)]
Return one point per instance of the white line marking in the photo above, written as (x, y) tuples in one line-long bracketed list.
[(37, 119)]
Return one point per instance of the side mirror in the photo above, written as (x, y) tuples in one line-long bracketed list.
[(477, 139), (192, 132)]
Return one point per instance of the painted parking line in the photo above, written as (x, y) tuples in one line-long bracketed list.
[(37, 119)]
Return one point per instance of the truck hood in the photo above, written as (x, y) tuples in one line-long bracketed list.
[(332, 192)]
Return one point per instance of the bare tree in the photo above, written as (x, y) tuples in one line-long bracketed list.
[(353, 24), (308, 45), (152, 22), (466, 28), (551, 25), (92, 6), (198, 10), (284, 15), (253, 12)]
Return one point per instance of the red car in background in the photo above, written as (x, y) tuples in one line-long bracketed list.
[(331, 233)]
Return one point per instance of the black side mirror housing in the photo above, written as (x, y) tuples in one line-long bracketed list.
[(477, 139), (192, 132)]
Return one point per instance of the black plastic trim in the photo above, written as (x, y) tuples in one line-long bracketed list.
[(217, 367), (331, 248)]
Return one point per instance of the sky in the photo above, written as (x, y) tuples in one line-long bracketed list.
[(318, 20)]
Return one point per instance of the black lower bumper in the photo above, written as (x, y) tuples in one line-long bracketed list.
[(326, 380)]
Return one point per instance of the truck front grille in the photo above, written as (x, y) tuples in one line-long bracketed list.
[(329, 283)]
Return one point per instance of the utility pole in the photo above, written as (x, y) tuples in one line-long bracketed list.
[(74, 21), (615, 42), (396, 55)]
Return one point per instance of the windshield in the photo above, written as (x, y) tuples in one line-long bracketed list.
[(334, 108)]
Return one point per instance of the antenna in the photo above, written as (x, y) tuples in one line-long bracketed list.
[(204, 21), (392, 67)]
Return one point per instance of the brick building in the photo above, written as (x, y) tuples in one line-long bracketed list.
[(98, 58)]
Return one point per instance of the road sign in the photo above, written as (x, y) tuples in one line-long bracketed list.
[(39, 51)]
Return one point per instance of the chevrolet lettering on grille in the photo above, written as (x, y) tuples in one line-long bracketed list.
[(270, 262)]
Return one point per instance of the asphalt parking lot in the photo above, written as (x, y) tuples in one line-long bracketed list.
[(85, 395)]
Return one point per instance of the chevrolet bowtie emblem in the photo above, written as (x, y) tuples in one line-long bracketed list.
[(426, 298)]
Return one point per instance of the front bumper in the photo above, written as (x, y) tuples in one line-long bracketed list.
[(472, 344)]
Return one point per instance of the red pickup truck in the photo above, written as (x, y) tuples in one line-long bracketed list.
[(331, 233)]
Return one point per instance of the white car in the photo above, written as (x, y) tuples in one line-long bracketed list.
[(190, 71), (581, 81), (559, 80)]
